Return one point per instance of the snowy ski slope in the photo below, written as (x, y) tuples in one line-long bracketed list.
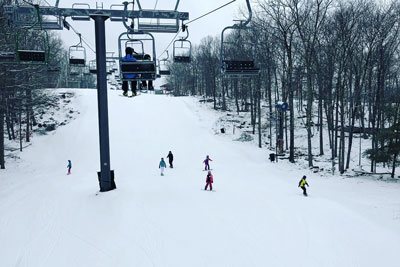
[(256, 217)]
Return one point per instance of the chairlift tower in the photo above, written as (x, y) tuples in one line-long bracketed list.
[(21, 15)]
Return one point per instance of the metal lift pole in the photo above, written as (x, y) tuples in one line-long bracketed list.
[(105, 176)]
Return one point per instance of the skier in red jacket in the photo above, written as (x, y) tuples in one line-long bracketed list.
[(209, 180)]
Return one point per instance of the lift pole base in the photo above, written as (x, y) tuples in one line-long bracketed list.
[(107, 185)]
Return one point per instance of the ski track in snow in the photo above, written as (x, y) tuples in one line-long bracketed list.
[(256, 217)]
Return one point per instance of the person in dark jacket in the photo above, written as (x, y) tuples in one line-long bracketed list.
[(149, 82), (303, 184), (129, 58), (170, 159), (209, 180)]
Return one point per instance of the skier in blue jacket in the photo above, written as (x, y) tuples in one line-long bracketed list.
[(162, 166), (69, 166), (129, 58)]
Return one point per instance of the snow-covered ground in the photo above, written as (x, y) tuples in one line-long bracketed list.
[(257, 215)]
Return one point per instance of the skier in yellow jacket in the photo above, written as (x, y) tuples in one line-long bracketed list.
[(303, 184)]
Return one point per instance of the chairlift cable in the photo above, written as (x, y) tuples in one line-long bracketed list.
[(155, 6), (166, 49), (82, 38), (211, 11), (195, 20), (47, 2)]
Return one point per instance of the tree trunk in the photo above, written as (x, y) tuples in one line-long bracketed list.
[(269, 93), (309, 114), (28, 112), (223, 87), (2, 109), (236, 93), (321, 122), (259, 111)]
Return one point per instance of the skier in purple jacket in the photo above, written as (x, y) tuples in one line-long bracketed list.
[(206, 162)]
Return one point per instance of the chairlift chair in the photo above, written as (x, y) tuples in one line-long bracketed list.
[(77, 54), (144, 69), (30, 56), (82, 6), (168, 24), (74, 71), (33, 19), (242, 67), (182, 48), (93, 66), (163, 66)]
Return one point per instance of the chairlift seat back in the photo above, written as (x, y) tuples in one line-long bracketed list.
[(183, 59), (77, 61), (138, 67), (31, 55), (240, 66), (53, 69), (159, 27), (165, 72)]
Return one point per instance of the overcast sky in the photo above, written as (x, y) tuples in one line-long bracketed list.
[(209, 25)]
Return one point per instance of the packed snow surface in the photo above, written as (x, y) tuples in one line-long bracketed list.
[(256, 216)]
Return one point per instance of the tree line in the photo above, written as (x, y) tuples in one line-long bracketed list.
[(20, 97), (334, 62)]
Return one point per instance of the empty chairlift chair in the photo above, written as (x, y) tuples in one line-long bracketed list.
[(182, 48), (92, 67), (77, 54), (163, 66), (168, 25), (236, 64), (30, 56), (33, 21)]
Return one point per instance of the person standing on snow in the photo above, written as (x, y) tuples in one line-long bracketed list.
[(69, 166), (303, 184), (170, 159), (162, 166), (209, 180), (207, 163)]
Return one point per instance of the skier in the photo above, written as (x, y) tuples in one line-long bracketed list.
[(209, 180), (206, 162), (303, 184), (170, 159), (162, 166), (69, 166)]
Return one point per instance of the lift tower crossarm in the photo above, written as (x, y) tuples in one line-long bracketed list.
[(68, 12)]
